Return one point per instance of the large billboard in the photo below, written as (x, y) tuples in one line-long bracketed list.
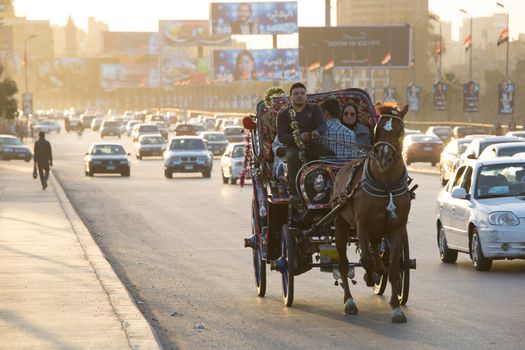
[(263, 65), (66, 74), (189, 33), (375, 47), (130, 43), (177, 67), (135, 75), (254, 17)]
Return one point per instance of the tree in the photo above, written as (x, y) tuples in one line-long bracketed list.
[(8, 102)]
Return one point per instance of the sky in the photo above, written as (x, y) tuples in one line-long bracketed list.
[(132, 15)]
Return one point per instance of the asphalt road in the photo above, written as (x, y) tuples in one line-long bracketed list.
[(177, 244)]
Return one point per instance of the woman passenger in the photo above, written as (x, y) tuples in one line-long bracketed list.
[(350, 119)]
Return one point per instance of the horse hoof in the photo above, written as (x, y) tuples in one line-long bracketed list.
[(350, 307), (369, 281), (398, 316)]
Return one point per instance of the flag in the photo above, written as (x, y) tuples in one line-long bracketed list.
[(387, 59), (467, 42), (329, 65), (315, 65), (503, 36)]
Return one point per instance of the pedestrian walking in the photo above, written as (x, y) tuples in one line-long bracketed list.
[(43, 158)]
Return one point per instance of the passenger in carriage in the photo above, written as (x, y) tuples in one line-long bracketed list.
[(311, 125), (363, 135), (338, 138)]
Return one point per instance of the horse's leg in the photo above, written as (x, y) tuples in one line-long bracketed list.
[(367, 261), (397, 239), (379, 267), (341, 240)]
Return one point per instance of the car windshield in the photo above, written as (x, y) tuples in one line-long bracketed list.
[(187, 145), (501, 180), (152, 140), (510, 151), (111, 123), (10, 141), (108, 150), (233, 131), (185, 128), (238, 151), (215, 137), (441, 131), (149, 128)]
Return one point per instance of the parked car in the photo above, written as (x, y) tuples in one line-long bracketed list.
[(46, 126), (150, 145), (163, 129), (110, 128), (217, 141), (231, 162), (143, 129), (187, 154), (188, 129), (234, 133), (481, 212), (422, 148), (520, 134), (502, 150), (106, 158), (477, 146), (443, 132), (450, 157), (11, 147)]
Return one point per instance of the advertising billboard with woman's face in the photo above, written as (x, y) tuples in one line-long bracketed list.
[(413, 92), (263, 65), (254, 17)]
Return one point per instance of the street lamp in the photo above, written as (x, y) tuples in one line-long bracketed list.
[(471, 46), (436, 18), (25, 58), (507, 54)]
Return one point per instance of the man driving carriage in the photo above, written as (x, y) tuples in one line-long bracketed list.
[(300, 128)]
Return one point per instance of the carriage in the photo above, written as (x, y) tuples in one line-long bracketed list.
[(292, 241)]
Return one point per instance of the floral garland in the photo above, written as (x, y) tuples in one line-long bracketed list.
[(297, 135), (247, 157)]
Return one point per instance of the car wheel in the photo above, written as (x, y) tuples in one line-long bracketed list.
[(478, 259), (168, 174), (233, 180), (224, 179), (447, 255), (206, 173), (126, 173)]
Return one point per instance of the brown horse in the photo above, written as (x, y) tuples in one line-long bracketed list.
[(378, 208)]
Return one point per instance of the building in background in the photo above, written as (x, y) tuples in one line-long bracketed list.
[(93, 42)]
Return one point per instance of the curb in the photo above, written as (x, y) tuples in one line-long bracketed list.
[(138, 331)]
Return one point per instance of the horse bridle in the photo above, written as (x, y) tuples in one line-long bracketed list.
[(388, 124)]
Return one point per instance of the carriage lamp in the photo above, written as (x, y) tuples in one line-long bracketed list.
[(503, 218)]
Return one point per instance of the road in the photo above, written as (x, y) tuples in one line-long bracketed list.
[(177, 245)]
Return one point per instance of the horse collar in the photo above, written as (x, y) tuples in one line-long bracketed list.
[(379, 189)]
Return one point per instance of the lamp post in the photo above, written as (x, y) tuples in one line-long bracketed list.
[(25, 58), (436, 18), (471, 46), (508, 40)]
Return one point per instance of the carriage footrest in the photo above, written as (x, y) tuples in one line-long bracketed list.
[(412, 264), (250, 242)]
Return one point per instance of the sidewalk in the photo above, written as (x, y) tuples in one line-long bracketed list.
[(57, 291)]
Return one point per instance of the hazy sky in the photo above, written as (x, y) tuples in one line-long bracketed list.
[(132, 15)]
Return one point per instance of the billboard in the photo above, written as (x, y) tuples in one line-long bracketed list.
[(440, 96), (413, 92), (357, 46), (177, 67), (189, 33), (135, 75), (130, 43), (64, 74), (389, 93), (471, 97), (506, 97), (263, 65), (254, 17)]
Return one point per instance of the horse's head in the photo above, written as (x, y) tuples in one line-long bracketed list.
[(388, 135)]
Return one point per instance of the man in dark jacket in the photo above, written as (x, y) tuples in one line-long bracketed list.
[(43, 158), (311, 124)]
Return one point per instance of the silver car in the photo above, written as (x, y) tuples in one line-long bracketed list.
[(187, 154), (150, 145), (217, 141)]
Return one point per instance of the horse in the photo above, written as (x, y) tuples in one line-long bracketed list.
[(378, 207)]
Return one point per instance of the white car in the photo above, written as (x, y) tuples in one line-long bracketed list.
[(481, 212), (187, 154), (46, 126), (231, 162), (502, 150)]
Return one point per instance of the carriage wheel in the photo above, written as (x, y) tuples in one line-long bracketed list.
[(288, 255), (404, 273), (379, 288), (259, 265)]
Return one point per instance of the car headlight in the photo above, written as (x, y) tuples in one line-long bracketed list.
[(97, 162), (503, 218)]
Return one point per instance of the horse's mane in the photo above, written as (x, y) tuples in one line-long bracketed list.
[(388, 107)]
